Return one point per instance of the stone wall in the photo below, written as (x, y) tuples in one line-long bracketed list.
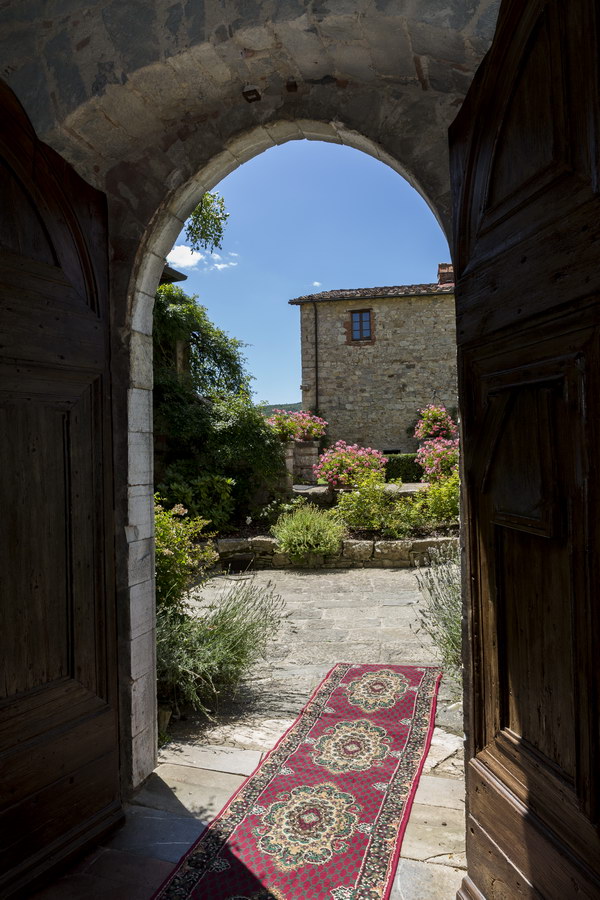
[(370, 391), (263, 553)]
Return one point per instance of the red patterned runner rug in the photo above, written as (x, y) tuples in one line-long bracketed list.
[(323, 816)]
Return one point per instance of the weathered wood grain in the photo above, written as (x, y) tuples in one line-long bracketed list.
[(527, 213), (59, 751)]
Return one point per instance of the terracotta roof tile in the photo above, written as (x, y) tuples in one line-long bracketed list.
[(399, 290)]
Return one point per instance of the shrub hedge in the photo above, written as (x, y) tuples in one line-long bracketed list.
[(309, 530), (440, 612), (202, 655), (403, 466)]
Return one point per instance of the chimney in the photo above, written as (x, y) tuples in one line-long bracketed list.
[(445, 273)]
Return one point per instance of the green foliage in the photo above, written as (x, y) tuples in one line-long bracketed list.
[(183, 335), (270, 512), (443, 500), (181, 560), (440, 612), (403, 466), (370, 506), (221, 445), (268, 409), (243, 446), (205, 227), (202, 657), (181, 417), (241, 439), (227, 439), (433, 510), (204, 494), (309, 530), (408, 518)]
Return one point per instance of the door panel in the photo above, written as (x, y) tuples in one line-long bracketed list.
[(527, 225), (59, 762)]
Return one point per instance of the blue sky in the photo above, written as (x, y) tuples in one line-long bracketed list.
[(306, 217)]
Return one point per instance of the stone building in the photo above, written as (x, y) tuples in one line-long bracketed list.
[(372, 357)]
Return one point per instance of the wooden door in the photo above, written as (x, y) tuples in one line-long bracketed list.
[(526, 179), (59, 765)]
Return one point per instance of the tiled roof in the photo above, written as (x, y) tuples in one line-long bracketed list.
[(399, 290)]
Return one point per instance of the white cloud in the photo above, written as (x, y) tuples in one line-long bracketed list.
[(316, 284), (234, 254), (184, 257)]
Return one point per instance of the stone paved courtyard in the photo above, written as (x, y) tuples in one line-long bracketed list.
[(360, 615)]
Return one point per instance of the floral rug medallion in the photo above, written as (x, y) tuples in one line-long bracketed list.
[(351, 746), (308, 825), (378, 690), (323, 816)]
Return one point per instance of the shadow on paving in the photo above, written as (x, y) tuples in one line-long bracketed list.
[(357, 616)]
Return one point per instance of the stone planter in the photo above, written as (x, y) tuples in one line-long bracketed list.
[(288, 452), (306, 455)]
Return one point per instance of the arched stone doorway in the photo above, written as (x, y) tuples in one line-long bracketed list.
[(157, 244), (148, 104), (154, 103)]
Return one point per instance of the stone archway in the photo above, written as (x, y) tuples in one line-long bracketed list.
[(157, 243), (149, 103)]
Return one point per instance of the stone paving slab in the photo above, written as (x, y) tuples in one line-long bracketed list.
[(420, 881), (444, 792), (435, 832), (107, 874), (204, 756), (156, 833), (188, 791), (303, 612), (444, 747), (261, 735), (357, 616)]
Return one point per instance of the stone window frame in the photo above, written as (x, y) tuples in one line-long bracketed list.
[(362, 341)]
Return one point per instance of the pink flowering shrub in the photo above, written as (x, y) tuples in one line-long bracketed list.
[(439, 458), (297, 426), (309, 427), (343, 464), (435, 422), (283, 423)]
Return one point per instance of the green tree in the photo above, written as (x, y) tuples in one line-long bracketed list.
[(187, 343), (214, 451), (205, 227)]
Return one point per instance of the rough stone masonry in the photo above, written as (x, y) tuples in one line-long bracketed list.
[(372, 357)]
